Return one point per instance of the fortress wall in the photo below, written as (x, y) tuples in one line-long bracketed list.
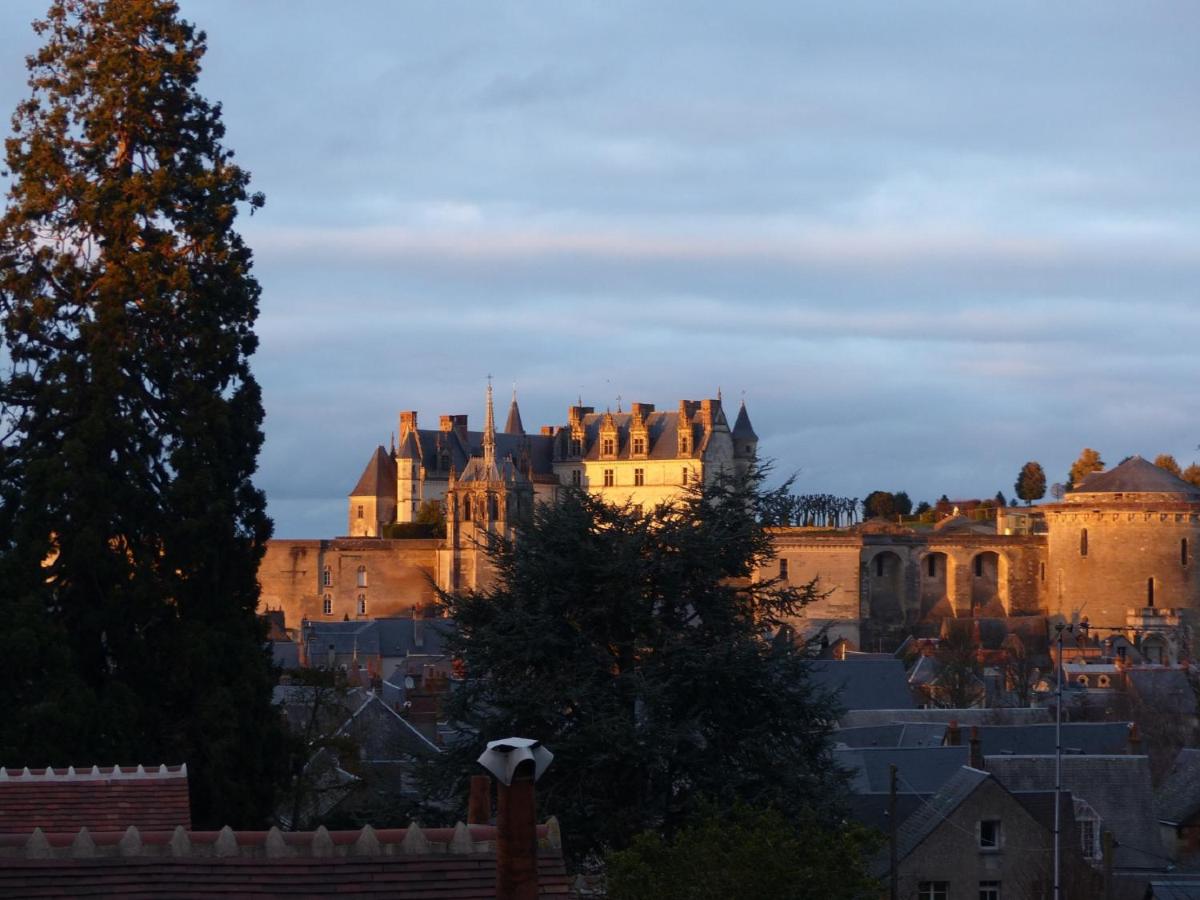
[(1127, 545)]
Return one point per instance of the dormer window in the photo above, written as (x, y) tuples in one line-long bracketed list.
[(576, 447), (609, 446), (639, 446), (684, 444)]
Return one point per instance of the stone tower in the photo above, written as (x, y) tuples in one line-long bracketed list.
[(484, 503)]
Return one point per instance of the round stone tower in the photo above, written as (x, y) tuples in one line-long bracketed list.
[(1126, 539)]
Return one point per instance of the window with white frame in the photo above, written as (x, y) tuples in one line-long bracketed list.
[(327, 605), (362, 576), (1088, 824), (362, 604), (933, 890), (989, 890), (327, 577)]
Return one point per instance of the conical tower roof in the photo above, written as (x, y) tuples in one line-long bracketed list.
[(742, 428), (513, 425)]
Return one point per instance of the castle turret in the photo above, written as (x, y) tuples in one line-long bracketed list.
[(373, 500)]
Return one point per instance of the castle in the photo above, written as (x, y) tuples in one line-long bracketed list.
[(1118, 550)]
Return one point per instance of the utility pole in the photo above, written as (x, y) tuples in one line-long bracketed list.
[(894, 887), (1058, 763)]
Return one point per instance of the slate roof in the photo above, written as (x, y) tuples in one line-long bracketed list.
[(895, 734), (427, 443), (1094, 738), (742, 429), (1174, 890), (1117, 787), (397, 636), (513, 425), (500, 469), (1136, 476), (1162, 689), (922, 770), (378, 478), (285, 654), (965, 717), (343, 637), (929, 815), (1178, 796), (864, 683), (102, 799)]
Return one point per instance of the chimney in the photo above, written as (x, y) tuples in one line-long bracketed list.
[(418, 618), (479, 804), (517, 763), (1135, 740), (953, 734), (976, 754), (408, 422)]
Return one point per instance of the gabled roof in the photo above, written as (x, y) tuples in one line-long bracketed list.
[(864, 683), (1136, 476), (1179, 794), (933, 812), (378, 478), (922, 770), (102, 799), (1116, 787)]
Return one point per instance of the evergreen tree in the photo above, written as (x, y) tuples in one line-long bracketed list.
[(880, 505), (1167, 461), (130, 531), (1089, 461), (637, 646), (1031, 482)]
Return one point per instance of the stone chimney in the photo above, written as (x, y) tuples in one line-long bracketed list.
[(408, 422), (456, 423), (976, 753)]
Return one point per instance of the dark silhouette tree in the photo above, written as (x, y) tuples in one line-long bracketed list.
[(639, 648), (1031, 482), (880, 505), (130, 530), (904, 504), (1089, 461), (1167, 461)]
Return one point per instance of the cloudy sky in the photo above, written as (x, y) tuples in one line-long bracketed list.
[(926, 241)]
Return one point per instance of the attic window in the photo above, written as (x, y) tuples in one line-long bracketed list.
[(989, 834), (1089, 830), (683, 445), (609, 447), (576, 447), (639, 445)]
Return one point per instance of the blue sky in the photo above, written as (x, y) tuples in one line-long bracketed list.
[(928, 241)]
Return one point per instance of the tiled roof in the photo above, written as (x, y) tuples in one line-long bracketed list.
[(404, 864), (101, 799)]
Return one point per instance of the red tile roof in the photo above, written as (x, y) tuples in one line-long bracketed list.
[(102, 799), (405, 864)]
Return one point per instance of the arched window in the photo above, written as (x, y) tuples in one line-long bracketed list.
[(466, 509), (1150, 591), (327, 577), (362, 576), (362, 604), (327, 605), (1089, 829), (1083, 542), (1183, 558), (932, 566), (879, 565)]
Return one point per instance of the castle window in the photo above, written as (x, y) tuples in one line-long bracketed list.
[(1183, 558), (360, 511), (1089, 830), (639, 477), (362, 604), (683, 445), (1083, 542), (608, 477), (609, 447), (326, 577), (639, 446), (466, 509), (684, 479), (1150, 591), (327, 605), (576, 447), (1043, 571), (932, 566), (783, 569), (576, 477), (362, 576)]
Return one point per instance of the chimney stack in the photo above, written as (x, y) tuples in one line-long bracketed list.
[(517, 763), (976, 753), (479, 804)]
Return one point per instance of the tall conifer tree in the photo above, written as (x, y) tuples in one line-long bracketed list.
[(130, 530)]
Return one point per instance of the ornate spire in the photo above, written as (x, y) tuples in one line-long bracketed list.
[(489, 431)]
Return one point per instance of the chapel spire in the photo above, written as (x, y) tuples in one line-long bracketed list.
[(489, 430), (514, 425)]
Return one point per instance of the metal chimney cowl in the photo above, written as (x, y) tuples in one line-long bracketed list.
[(502, 757)]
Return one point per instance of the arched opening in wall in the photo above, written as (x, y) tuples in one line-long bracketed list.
[(935, 599), (886, 588), (1150, 591), (985, 585), (1083, 542)]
